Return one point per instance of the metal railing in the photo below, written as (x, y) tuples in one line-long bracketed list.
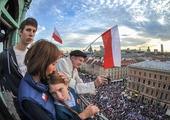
[(85, 103)]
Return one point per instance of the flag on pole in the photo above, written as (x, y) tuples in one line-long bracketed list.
[(111, 41), (56, 36)]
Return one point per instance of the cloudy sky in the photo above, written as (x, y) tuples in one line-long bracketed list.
[(141, 23)]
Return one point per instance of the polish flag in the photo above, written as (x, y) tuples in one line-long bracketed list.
[(56, 36), (111, 41), (44, 97)]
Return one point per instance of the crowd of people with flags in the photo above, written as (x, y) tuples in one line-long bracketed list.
[(115, 106)]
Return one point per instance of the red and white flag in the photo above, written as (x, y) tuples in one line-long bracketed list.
[(111, 41), (44, 97), (56, 36)]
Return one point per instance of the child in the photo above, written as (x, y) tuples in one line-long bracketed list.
[(66, 102)]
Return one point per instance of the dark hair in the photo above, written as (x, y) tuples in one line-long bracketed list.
[(40, 56), (28, 21)]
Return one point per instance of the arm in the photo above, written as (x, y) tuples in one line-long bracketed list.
[(35, 111)]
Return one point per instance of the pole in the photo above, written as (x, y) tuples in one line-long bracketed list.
[(92, 43)]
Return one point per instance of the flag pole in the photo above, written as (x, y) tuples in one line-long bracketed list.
[(92, 42), (96, 39)]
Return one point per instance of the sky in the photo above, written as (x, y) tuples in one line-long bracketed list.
[(141, 23)]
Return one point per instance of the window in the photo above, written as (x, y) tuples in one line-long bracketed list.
[(155, 76), (153, 84), (166, 96), (147, 90), (139, 73), (149, 74), (159, 85), (156, 93), (161, 95), (144, 73), (134, 72), (138, 79), (138, 88), (143, 88), (149, 82), (166, 78), (144, 81), (169, 87), (160, 77), (151, 92), (164, 86)]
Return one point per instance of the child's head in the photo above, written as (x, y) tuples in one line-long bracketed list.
[(58, 87)]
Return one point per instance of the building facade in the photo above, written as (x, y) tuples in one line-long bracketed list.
[(150, 82)]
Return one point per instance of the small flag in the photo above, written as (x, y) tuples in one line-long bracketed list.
[(78, 101), (56, 36), (111, 41), (44, 97)]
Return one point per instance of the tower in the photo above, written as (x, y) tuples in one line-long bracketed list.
[(162, 49)]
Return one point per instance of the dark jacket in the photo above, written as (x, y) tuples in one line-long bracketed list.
[(9, 70), (63, 113)]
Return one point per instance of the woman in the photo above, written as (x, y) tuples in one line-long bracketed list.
[(34, 98), (66, 102)]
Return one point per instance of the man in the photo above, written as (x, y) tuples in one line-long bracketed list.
[(13, 68), (69, 66)]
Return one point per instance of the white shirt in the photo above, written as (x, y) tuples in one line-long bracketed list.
[(20, 56)]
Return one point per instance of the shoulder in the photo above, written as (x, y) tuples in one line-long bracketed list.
[(72, 91)]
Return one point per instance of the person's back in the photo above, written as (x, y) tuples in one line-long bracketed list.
[(13, 68)]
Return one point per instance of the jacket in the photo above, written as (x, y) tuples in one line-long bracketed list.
[(37, 93), (64, 113), (65, 66), (9, 70)]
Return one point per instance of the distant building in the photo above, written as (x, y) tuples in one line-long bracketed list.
[(150, 82), (162, 49), (101, 49), (155, 51), (148, 50)]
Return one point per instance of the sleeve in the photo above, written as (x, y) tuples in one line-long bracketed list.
[(35, 111), (3, 82)]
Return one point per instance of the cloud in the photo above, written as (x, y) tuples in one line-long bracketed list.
[(140, 21)]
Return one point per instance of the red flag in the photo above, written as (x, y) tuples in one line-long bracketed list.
[(111, 41), (56, 36)]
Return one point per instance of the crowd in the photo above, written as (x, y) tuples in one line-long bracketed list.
[(116, 106)]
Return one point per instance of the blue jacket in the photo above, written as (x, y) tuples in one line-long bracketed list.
[(64, 113), (37, 93)]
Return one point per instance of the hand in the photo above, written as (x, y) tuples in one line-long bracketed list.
[(89, 111), (100, 80), (62, 76)]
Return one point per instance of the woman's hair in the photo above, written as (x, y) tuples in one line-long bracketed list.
[(40, 56), (56, 78)]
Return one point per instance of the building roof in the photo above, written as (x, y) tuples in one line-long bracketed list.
[(154, 65)]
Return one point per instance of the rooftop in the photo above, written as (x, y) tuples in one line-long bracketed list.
[(154, 65)]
